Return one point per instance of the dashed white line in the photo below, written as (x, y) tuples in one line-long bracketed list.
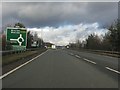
[(89, 61), (112, 70), (71, 54), (96, 63), (77, 56), (6, 74)]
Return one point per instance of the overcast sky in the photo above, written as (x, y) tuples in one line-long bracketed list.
[(61, 22)]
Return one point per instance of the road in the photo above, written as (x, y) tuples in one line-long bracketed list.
[(65, 69)]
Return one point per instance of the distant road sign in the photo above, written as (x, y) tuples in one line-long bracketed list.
[(17, 37)]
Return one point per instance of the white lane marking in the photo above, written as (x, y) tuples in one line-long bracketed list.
[(6, 74), (71, 54), (77, 56), (112, 70), (89, 61)]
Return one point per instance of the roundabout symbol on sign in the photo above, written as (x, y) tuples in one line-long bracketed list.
[(19, 40)]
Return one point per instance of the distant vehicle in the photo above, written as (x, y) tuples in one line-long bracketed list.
[(67, 47), (53, 47), (35, 44)]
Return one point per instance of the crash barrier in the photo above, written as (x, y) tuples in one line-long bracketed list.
[(3, 53), (109, 53)]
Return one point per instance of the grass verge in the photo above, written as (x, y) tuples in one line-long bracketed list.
[(12, 61), (14, 57)]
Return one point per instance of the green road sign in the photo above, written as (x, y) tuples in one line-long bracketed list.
[(17, 37)]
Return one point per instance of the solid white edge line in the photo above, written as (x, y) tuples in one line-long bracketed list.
[(89, 61), (112, 70), (6, 74)]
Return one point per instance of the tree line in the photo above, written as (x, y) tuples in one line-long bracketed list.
[(110, 41)]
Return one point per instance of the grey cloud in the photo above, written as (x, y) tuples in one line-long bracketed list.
[(54, 14), (0, 21), (60, 0)]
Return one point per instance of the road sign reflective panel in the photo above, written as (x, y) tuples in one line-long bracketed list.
[(17, 37)]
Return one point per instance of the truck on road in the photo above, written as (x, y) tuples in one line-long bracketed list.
[(53, 47)]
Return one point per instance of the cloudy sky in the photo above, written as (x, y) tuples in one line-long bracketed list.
[(61, 22)]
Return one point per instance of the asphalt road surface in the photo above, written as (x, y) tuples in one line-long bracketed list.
[(66, 69)]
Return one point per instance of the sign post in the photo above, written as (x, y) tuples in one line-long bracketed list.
[(17, 37)]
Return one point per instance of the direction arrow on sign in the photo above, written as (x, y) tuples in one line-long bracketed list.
[(17, 37)]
